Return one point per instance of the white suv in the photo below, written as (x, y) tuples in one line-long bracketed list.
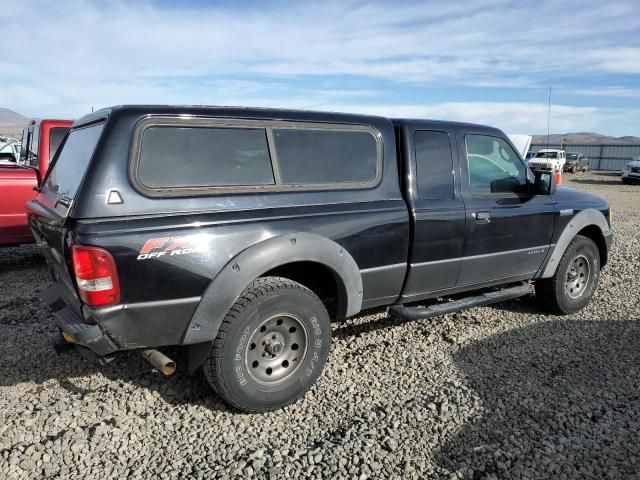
[(549, 160)]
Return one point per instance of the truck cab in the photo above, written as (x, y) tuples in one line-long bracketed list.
[(40, 141), (491, 228)]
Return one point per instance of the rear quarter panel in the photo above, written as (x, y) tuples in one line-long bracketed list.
[(185, 252)]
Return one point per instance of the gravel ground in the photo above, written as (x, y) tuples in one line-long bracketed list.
[(493, 392)]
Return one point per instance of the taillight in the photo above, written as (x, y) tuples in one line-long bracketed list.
[(96, 275)]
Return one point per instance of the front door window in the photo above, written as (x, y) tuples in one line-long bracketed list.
[(494, 167)]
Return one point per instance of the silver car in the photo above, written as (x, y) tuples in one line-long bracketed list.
[(631, 172)]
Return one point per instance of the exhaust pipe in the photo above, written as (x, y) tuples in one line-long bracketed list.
[(160, 361)]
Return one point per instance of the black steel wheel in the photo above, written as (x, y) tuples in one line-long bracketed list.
[(271, 347)]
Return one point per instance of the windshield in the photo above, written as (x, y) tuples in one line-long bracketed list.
[(69, 167), (547, 155), (572, 156)]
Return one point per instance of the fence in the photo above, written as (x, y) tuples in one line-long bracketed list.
[(601, 157)]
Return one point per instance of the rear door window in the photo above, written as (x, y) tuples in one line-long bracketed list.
[(434, 165), (179, 157), (66, 174)]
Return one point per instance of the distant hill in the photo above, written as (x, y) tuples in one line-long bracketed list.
[(583, 138), (12, 123)]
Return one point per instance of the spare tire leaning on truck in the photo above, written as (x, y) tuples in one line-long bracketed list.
[(241, 233)]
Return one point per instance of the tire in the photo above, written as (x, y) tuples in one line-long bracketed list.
[(572, 170), (626, 181), (289, 329), (565, 292), (586, 168)]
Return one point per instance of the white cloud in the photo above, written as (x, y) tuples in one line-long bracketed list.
[(617, 60), (611, 91), (400, 42), (64, 57), (513, 117)]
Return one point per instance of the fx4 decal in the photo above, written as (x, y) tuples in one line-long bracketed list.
[(170, 246)]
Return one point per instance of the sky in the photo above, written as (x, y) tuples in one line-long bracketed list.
[(489, 61)]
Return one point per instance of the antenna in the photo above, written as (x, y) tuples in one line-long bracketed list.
[(549, 118)]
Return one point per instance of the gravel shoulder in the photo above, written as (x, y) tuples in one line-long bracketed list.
[(493, 392)]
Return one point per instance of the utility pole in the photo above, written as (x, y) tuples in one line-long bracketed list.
[(549, 118)]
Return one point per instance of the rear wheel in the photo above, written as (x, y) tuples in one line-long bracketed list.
[(271, 347), (575, 280)]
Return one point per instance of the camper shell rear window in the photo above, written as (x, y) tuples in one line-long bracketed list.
[(67, 172), (174, 156)]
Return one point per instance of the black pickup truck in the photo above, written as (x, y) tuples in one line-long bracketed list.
[(240, 233)]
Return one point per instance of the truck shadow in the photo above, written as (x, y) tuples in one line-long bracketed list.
[(16, 259), (564, 394), (81, 378), (528, 304)]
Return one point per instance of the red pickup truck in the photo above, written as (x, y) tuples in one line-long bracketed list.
[(40, 141)]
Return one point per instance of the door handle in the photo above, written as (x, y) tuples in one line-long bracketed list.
[(483, 217)]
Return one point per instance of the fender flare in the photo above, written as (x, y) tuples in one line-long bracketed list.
[(244, 268), (582, 219)]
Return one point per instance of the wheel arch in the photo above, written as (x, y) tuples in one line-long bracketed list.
[(306, 258), (589, 222), (322, 280), (594, 233)]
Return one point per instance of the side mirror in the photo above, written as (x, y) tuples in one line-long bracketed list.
[(544, 183)]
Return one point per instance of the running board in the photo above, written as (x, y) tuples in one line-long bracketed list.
[(418, 312)]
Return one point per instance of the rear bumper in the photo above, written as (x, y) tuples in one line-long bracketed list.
[(122, 327), (90, 336)]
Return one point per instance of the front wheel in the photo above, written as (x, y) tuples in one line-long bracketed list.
[(271, 346), (575, 280)]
